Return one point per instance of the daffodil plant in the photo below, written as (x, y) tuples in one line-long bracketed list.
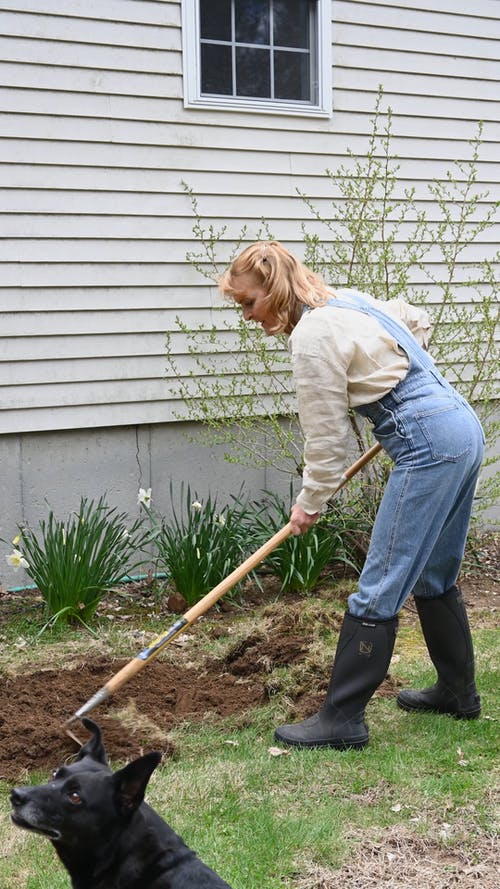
[(300, 561), (74, 563), (201, 543)]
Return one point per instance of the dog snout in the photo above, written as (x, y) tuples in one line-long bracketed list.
[(18, 796)]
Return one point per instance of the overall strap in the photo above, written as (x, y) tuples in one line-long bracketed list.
[(398, 330)]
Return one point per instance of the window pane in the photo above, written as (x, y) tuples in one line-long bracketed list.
[(291, 76), (291, 23), (253, 75), (216, 69), (215, 19), (242, 57), (252, 21)]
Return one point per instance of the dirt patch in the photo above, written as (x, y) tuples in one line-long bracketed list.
[(34, 706), (258, 653)]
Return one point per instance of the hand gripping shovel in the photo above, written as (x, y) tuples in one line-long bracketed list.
[(148, 654)]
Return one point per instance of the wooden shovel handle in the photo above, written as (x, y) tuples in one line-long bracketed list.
[(363, 460), (127, 672)]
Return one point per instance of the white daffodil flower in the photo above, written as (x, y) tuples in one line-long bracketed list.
[(144, 496), (197, 506), (16, 560), (221, 520)]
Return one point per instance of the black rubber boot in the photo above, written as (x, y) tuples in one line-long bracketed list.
[(364, 651), (447, 634)]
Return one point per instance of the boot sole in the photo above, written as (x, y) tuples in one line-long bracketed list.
[(356, 744), (422, 708)]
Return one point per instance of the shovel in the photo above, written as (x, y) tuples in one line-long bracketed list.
[(148, 654)]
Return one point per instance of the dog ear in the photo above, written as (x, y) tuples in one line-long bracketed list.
[(131, 782), (94, 747)]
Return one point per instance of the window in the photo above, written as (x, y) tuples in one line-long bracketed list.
[(265, 55)]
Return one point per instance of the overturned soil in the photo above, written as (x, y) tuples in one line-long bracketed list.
[(170, 691), (139, 716)]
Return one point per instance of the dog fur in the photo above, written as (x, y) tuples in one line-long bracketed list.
[(106, 836)]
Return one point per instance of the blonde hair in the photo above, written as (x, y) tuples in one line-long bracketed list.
[(288, 283)]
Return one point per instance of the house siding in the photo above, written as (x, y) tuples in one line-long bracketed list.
[(95, 144)]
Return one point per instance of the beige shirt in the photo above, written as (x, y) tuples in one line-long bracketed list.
[(343, 358)]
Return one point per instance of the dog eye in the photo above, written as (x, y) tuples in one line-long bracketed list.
[(74, 797)]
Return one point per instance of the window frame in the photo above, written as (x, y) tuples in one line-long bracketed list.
[(193, 98)]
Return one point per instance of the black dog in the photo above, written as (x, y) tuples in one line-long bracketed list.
[(103, 832)]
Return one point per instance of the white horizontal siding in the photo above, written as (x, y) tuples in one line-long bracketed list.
[(95, 57), (80, 80), (16, 374), (87, 393), (137, 107), (407, 16), (96, 415), (81, 29), (38, 419), (285, 204), (177, 300), (51, 178), (23, 231), (428, 85), (152, 12), (113, 298), (95, 144), (394, 62), (60, 347), (132, 367), (421, 148), (350, 130), (486, 9), (154, 254)]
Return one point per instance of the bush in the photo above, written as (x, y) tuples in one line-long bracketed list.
[(241, 390)]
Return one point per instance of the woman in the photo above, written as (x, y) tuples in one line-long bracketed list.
[(349, 350)]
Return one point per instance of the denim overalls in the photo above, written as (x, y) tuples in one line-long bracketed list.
[(437, 444)]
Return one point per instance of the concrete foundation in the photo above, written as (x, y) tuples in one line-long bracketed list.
[(53, 470)]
